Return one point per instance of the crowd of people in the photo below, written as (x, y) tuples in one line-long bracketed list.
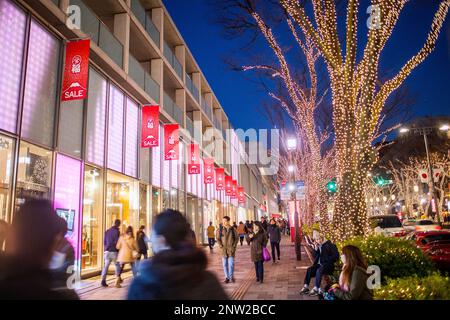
[(35, 257)]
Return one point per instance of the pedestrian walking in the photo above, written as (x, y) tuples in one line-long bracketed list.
[(241, 232), (248, 229), (141, 239), (264, 223), (283, 226), (274, 233), (24, 266), (178, 269), (110, 255), (211, 230), (258, 239), (128, 252), (353, 278), (228, 239), (325, 255)]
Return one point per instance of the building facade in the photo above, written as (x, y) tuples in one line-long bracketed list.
[(85, 155)]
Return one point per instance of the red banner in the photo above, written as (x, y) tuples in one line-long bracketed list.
[(233, 189), (228, 186), (171, 141), (193, 159), (76, 70), (241, 194), (208, 170), (150, 127), (220, 179)]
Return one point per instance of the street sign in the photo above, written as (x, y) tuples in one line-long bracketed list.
[(285, 194), (300, 190)]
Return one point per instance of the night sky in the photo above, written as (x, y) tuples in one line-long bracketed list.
[(429, 84)]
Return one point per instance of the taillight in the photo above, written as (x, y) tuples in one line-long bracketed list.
[(438, 228)]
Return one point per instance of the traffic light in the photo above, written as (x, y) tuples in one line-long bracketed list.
[(380, 181), (332, 186)]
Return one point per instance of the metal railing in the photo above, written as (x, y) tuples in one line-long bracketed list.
[(206, 108), (143, 78), (99, 33), (173, 109), (173, 60), (192, 87), (145, 19), (190, 127)]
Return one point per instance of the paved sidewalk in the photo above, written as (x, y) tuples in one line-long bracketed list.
[(282, 281)]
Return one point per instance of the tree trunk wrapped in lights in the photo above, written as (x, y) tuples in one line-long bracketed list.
[(358, 98)]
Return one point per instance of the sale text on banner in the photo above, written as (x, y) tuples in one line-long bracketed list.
[(150, 127), (208, 170), (76, 70), (228, 186), (220, 179), (171, 141), (193, 159)]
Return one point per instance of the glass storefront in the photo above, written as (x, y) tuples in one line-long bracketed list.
[(145, 218), (34, 173), (6, 173), (122, 200), (91, 233)]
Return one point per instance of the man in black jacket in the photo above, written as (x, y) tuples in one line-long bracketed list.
[(325, 256), (110, 255)]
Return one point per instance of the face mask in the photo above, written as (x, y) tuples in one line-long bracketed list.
[(57, 260), (343, 258)]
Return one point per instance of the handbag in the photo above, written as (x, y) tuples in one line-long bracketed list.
[(266, 254)]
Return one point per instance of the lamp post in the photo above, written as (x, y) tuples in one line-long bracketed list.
[(425, 131), (292, 145)]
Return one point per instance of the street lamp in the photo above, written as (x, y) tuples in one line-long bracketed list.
[(292, 145), (425, 131)]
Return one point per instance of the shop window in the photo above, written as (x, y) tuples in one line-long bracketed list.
[(165, 200), (115, 129), (71, 127), (156, 201), (122, 200), (132, 119), (174, 198), (34, 173), (67, 198), (6, 172), (144, 165), (12, 26), (40, 86), (96, 116), (92, 233)]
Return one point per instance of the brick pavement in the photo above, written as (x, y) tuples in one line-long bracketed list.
[(282, 281)]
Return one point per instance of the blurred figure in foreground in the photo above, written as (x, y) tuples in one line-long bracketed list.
[(191, 235), (63, 257), (177, 271), (24, 268), (3, 230), (128, 252)]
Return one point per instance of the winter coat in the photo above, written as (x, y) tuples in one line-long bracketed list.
[(357, 287), (126, 245), (176, 275), (265, 224), (274, 233), (257, 243), (326, 255), (141, 242), (241, 229), (227, 240), (111, 237)]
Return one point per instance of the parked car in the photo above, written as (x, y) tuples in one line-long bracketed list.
[(388, 225), (436, 244), (421, 225)]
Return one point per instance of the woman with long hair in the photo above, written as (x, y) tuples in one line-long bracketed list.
[(128, 252), (258, 240), (353, 278)]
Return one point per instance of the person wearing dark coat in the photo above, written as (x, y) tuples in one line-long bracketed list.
[(325, 256), (141, 240), (178, 269), (112, 236), (258, 240), (30, 246), (274, 233), (264, 223)]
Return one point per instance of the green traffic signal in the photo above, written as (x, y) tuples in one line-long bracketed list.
[(332, 186)]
